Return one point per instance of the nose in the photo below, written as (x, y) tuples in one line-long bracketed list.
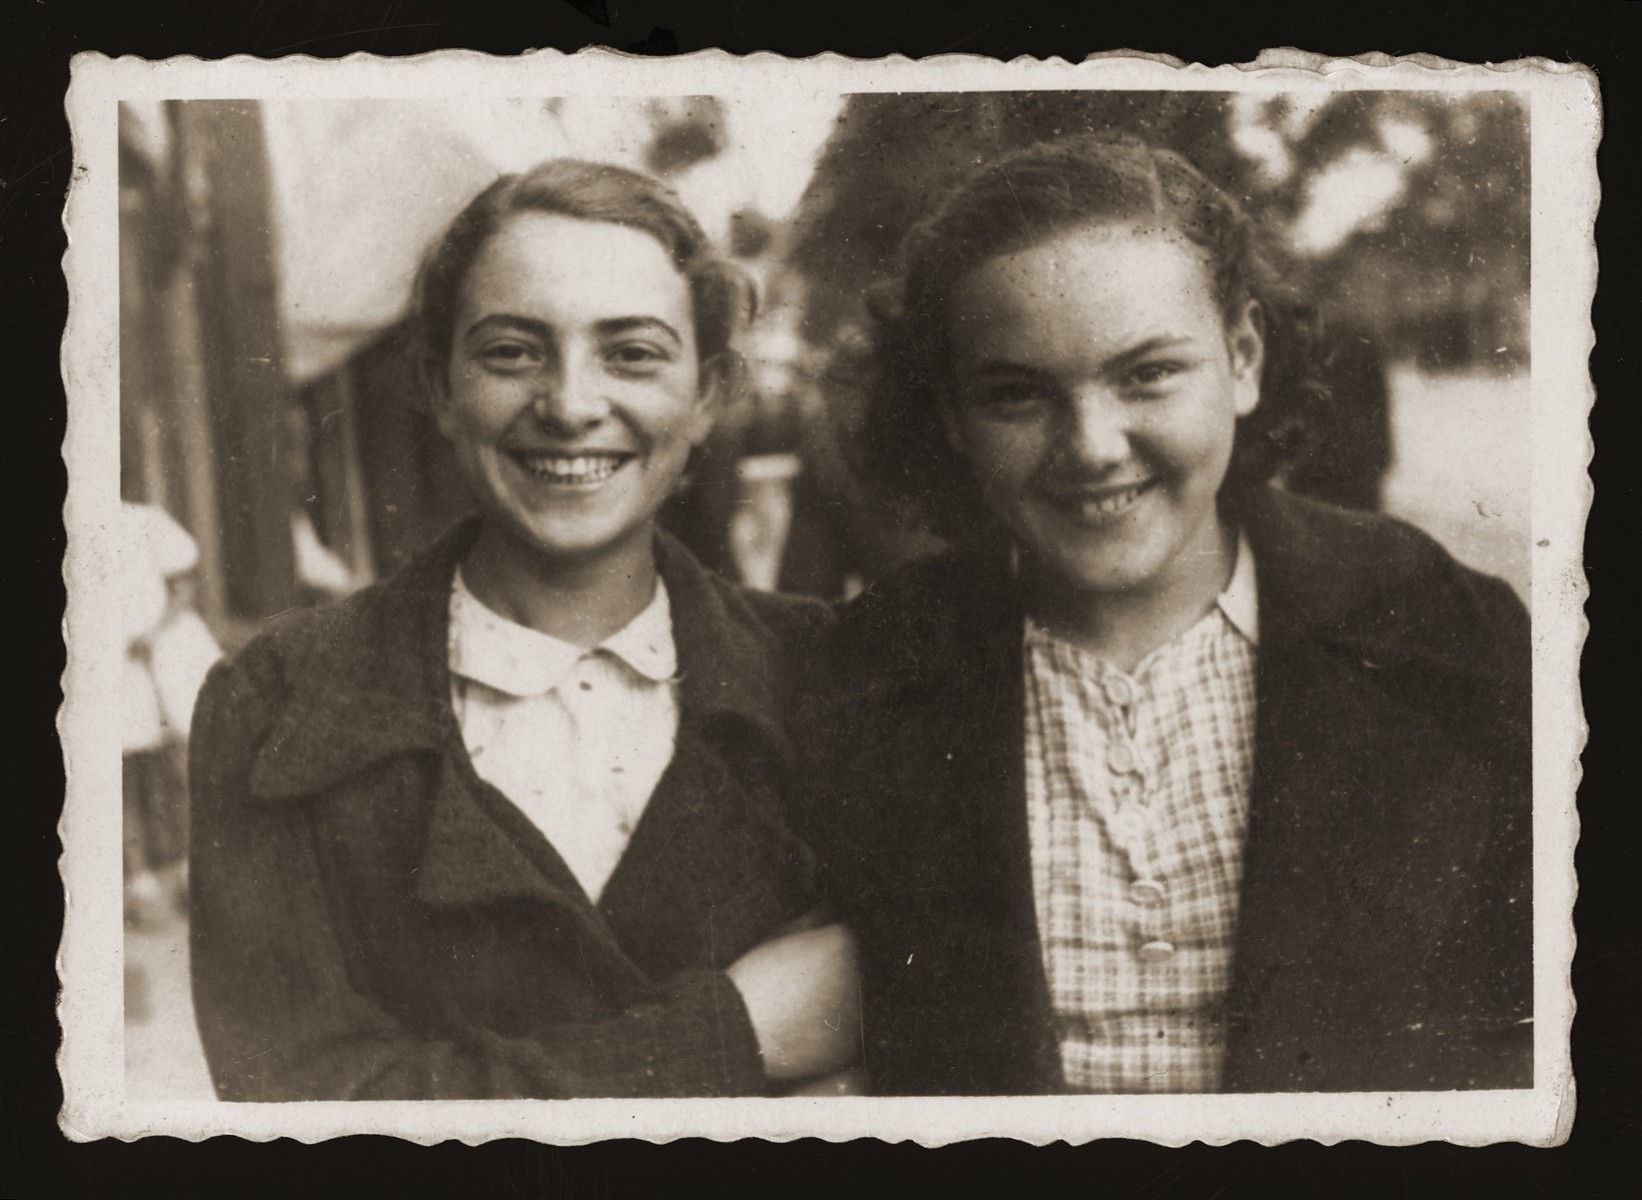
[(1096, 433), (569, 398)]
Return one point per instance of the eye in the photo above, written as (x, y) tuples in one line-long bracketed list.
[(509, 357), (637, 357), (1155, 372), (1012, 399)]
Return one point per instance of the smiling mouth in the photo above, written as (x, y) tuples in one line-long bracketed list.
[(1104, 503), (575, 469)]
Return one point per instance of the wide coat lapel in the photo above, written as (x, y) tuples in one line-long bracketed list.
[(942, 887), (1366, 889), (1320, 895), (369, 726), (713, 865)]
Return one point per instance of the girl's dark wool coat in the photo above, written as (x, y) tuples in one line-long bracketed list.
[(1384, 928), (372, 921)]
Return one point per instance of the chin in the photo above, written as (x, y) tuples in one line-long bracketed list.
[(582, 549), (561, 543), (1095, 576)]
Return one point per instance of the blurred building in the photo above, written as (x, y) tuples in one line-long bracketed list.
[(267, 252)]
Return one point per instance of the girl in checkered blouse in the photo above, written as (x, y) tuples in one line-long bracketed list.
[(1160, 780)]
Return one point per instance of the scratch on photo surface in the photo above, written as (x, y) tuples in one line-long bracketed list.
[(1016, 199)]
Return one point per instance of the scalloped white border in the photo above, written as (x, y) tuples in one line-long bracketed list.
[(1566, 125)]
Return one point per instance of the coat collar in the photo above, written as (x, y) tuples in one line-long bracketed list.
[(1348, 583), (1327, 840), (369, 698), (1317, 582), (369, 679)]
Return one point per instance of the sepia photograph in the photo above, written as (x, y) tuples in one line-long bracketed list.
[(842, 598)]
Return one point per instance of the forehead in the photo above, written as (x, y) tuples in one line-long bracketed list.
[(1097, 283), (566, 267)]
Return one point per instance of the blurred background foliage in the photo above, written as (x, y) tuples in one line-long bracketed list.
[(1408, 211)]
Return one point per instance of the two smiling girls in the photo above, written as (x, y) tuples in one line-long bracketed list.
[(1160, 780)]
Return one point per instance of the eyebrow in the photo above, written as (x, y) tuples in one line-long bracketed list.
[(608, 327), (1115, 363), (614, 325)]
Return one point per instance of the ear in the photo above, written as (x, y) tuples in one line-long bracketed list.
[(444, 416), (437, 391), (718, 380), (1246, 343)]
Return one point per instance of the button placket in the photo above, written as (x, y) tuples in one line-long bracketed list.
[(1128, 822), (1148, 894), (1122, 754)]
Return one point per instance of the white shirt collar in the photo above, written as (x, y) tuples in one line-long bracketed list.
[(646, 642), (488, 648), (1240, 602)]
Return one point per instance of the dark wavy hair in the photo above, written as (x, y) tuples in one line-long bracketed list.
[(720, 293), (1024, 199)]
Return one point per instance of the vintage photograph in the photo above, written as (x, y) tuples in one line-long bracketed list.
[(761, 598)]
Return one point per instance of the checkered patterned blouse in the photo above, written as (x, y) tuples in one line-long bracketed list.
[(1137, 794)]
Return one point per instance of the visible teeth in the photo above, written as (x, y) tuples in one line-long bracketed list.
[(587, 468), (1116, 502)]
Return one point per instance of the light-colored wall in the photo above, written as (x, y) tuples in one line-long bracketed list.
[(1460, 466)]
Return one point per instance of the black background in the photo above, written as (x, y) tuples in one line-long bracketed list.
[(37, 38)]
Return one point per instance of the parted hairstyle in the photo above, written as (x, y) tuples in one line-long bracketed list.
[(720, 293), (1024, 199)]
